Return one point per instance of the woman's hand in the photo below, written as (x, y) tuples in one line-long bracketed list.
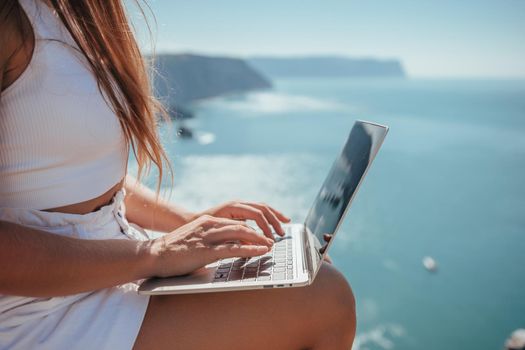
[(203, 241), (264, 215)]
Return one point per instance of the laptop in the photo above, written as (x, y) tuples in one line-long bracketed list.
[(297, 256)]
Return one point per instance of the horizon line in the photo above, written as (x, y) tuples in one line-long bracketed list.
[(408, 74)]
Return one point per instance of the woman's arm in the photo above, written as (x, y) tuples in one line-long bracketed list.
[(143, 210), (41, 264)]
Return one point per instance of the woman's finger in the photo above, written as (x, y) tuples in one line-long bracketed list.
[(209, 221), (270, 216), (236, 233), (247, 212), (280, 216), (234, 250)]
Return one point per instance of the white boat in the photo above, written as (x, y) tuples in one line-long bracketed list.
[(430, 264), (516, 340)]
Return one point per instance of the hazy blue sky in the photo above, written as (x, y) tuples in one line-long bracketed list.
[(441, 38)]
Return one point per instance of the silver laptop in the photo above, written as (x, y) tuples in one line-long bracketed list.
[(296, 257)]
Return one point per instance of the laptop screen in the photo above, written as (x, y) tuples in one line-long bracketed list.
[(342, 183)]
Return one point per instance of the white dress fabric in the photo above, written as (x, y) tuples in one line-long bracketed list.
[(103, 319)]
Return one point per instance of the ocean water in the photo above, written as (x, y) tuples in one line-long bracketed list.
[(449, 183)]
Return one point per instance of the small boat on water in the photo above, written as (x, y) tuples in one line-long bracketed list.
[(184, 132), (516, 340), (430, 264)]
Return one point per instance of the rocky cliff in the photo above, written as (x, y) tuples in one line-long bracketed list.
[(184, 78)]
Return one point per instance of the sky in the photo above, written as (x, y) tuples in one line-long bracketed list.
[(432, 38)]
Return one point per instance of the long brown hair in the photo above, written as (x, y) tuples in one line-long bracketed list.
[(104, 35)]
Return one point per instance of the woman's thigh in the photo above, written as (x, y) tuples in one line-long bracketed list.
[(288, 318)]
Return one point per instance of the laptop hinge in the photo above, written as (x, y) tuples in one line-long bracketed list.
[(307, 264)]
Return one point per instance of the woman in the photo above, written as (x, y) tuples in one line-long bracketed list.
[(74, 97)]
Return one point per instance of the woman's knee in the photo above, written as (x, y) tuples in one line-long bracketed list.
[(337, 296)]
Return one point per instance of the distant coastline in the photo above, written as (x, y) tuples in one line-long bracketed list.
[(327, 66), (188, 77)]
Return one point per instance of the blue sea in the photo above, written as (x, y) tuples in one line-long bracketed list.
[(448, 183)]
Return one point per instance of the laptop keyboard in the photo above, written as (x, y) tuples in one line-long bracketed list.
[(275, 265)]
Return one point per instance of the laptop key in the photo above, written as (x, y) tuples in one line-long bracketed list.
[(279, 276), (234, 276), (265, 267), (221, 275)]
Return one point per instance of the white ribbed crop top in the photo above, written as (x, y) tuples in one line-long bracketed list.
[(60, 142)]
